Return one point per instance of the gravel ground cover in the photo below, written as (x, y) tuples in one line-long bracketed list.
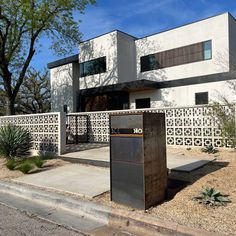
[(220, 174), (7, 174)]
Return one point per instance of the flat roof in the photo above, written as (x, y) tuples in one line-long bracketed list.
[(190, 23), (141, 85), (64, 61), (74, 58), (137, 85)]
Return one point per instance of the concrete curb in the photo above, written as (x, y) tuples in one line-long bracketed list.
[(81, 207), (133, 221)]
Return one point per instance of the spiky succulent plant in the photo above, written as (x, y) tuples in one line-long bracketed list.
[(14, 141), (212, 197)]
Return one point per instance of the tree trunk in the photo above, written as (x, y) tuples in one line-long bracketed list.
[(10, 109)]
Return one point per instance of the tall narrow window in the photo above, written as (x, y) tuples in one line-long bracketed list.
[(207, 50), (65, 108)]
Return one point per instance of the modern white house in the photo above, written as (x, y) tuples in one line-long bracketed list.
[(188, 65)]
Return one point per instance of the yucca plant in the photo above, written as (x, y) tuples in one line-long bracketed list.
[(14, 141), (212, 197)]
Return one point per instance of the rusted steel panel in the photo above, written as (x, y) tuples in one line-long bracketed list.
[(138, 159)]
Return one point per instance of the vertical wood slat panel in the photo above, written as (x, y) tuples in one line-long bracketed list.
[(173, 57)]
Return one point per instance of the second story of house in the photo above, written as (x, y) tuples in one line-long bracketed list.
[(192, 52), (197, 49), (107, 59)]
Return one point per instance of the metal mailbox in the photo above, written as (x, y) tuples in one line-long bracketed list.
[(138, 159)]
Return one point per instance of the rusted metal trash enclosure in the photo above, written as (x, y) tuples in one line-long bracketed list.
[(138, 159)]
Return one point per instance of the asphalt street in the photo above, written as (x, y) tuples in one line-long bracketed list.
[(21, 217), (16, 223)]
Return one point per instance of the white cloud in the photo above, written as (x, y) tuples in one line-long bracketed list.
[(96, 21)]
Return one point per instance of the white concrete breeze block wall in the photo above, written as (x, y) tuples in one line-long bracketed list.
[(48, 131), (215, 29)]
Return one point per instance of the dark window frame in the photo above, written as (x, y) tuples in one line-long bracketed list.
[(204, 48), (175, 57), (65, 108), (142, 100), (94, 66), (201, 100)]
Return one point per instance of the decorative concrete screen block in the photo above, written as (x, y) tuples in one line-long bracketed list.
[(47, 130), (185, 126)]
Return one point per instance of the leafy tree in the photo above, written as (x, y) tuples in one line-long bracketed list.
[(22, 24), (2, 102), (34, 95)]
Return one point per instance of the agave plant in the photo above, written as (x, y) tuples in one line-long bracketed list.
[(14, 141), (212, 197), (209, 149)]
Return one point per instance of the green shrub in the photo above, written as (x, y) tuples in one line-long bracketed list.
[(14, 141), (225, 117), (212, 197), (38, 162), (209, 150), (11, 164), (25, 167), (47, 156)]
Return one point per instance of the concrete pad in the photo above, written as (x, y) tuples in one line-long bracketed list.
[(185, 164), (102, 155), (98, 154), (91, 181), (84, 180)]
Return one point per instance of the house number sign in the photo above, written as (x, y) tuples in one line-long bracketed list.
[(126, 131)]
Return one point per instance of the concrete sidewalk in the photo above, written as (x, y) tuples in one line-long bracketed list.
[(89, 180), (82, 180)]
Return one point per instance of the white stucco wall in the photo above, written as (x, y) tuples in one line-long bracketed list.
[(102, 46), (184, 95), (126, 58), (215, 29), (64, 86)]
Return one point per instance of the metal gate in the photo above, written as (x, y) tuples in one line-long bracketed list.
[(77, 129)]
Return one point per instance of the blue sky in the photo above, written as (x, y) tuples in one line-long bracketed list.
[(138, 18)]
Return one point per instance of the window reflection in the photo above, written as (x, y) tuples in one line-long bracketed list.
[(92, 67)]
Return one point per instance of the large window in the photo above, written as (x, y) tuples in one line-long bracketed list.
[(178, 56), (201, 98), (93, 67)]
